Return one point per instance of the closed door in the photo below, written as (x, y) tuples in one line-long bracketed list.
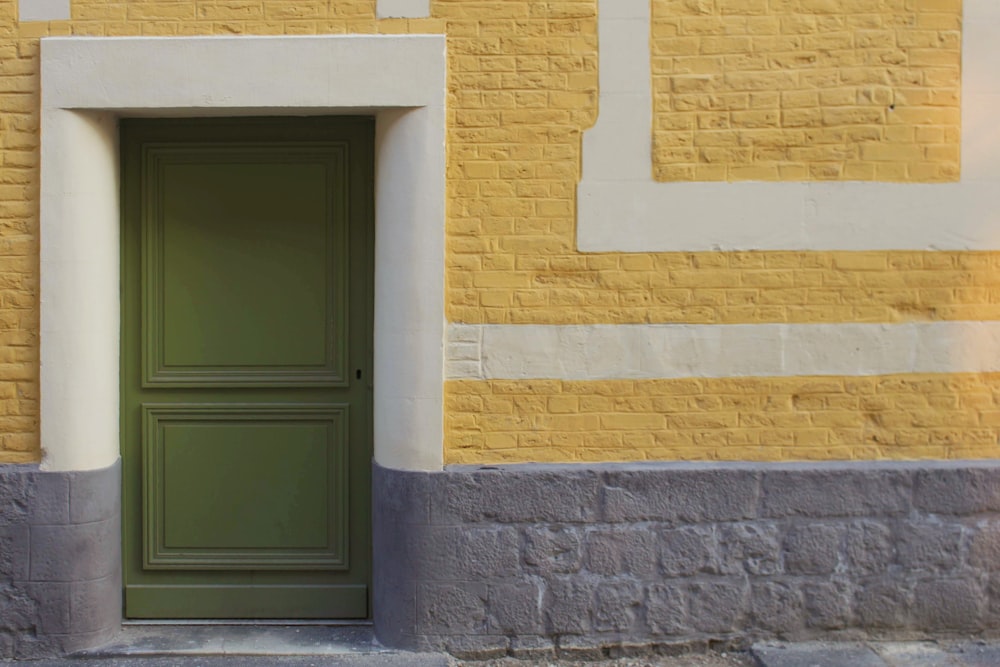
[(246, 366)]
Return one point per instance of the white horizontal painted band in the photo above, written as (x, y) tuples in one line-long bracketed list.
[(621, 208), (651, 351)]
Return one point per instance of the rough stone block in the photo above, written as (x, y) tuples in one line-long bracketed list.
[(74, 552), (827, 604), (617, 606), (750, 547), (96, 605), (984, 545), (403, 496), (6, 645), (394, 606), (845, 492), (954, 604), (685, 552), (813, 548), (514, 609), (453, 553), (622, 551), (516, 496), (50, 504), (53, 607), (17, 490), (883, 603), (451, 609), (681, 496), (930, 546), (717, 607), (14, 541), (666, 610), (95, 495), (776, 607), (957, 491), (18, 607), (568, 606), (869, 547), (549, 550)]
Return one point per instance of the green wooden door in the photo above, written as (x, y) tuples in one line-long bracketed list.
[(246, 367)]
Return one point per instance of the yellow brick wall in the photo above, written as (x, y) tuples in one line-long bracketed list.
[(750, 419), (863, 90), (522, 88), (513, 278)]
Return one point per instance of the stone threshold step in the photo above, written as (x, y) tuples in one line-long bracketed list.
[(246, 639)]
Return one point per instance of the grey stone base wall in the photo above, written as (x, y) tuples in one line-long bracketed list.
[(534, 559), (60, 556)]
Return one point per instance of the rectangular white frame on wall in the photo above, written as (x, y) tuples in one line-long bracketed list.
[(88, 83)]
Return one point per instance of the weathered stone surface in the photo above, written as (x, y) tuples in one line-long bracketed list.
[(666, 610), (14, 553), (568, 606), (17, 607), (516, 497), (483, 552), (750, 547), (717, 607), (776, 607), (52, 606), (984, 546), (955, 604), (73, 552), (835, 492), (451, 609), (957, 490), (514, 609), (602, 559), (552, 550), (685, 552), (929, 546), (869, 547), (813, 548), (51, 499), (46, 554), (827, 604), (883, 603), (617, 606), (94, 495), (622, 551), (687, 496), (17, 492), (92, 602)]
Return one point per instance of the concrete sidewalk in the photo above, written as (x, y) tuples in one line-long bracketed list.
[(879, 654)]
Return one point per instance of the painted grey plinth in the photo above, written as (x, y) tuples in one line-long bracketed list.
[(533, 559), (60, 560)]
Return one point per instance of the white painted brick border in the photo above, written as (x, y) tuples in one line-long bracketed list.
[(621, 208)]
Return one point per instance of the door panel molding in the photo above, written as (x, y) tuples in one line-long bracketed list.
[(159, 467), (157, 369)]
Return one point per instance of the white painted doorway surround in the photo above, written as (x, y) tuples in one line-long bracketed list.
[(88, 83)]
